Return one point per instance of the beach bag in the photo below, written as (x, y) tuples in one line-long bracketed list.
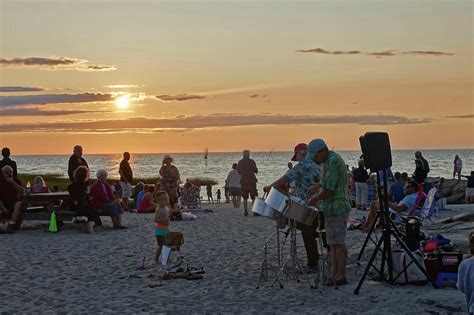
[(410, 275), (174, 239)]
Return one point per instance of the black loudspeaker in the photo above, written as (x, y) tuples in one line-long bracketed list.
[(376, 150)]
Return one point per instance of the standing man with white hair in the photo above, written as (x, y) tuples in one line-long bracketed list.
[(247, 168), (75, 160)]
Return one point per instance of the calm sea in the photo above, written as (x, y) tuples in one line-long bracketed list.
[(271, 165)]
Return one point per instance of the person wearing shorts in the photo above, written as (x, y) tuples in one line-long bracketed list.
[(335, 204), (233, 181), (247, 169), (126, 178)]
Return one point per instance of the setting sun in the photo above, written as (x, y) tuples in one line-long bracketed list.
[(122, 102)]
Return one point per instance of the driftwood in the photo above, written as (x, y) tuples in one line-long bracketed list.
[(467, 217)]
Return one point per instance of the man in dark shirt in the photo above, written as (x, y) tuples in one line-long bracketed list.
[(7, 161), (10, 206), (425, 165), (247, 169), (75, 160), (126, 178)]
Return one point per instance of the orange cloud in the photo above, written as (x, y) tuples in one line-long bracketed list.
[(378, 54), (54, 63), (20, 100), (178, 97), (20, 89), (141, 124)]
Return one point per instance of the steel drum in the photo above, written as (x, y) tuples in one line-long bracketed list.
[(262, 208), (298, 210), (278, 200)]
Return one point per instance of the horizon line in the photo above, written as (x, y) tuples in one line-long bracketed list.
[(240, 151)]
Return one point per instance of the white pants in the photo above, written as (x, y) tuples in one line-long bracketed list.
[(361, 194)]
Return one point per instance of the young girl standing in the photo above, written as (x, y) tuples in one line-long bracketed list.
[(162, 220)]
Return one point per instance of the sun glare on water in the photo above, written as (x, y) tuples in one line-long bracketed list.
[(122, 102)]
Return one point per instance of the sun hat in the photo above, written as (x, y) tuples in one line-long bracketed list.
[(300, 147), (314, 147), (167, 156)]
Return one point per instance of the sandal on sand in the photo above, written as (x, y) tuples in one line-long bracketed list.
[(246, 213)]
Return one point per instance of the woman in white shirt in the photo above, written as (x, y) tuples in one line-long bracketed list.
[(457, 167), (233, 180)]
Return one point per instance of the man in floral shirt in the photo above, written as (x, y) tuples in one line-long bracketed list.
[(305, 175), (335, 205)]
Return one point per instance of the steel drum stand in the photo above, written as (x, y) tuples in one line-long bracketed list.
[(264, 267), (323, 264), (292, 263)]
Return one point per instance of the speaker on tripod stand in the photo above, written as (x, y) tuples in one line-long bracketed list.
[(377, 156)]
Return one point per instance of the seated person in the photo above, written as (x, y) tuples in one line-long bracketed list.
[(189, 195), (10, 205), (148, 203), (39, 186), (138, 188), (78, 197), (403, 208), (102, 198), (396, 192)]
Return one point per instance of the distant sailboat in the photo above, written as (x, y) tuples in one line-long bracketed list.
[(270, 154), (206, 153)]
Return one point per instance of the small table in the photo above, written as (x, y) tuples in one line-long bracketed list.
[(47, 201)]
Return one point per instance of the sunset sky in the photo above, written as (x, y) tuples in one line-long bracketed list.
[(179, 76)]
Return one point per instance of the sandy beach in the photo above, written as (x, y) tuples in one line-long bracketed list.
[(74, 272)]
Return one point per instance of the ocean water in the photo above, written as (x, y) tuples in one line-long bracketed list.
[(271, 165)]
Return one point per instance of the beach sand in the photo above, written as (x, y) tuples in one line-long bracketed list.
[(72, 271)]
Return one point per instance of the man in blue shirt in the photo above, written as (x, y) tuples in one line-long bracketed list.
[(305, 175), (402, 208)]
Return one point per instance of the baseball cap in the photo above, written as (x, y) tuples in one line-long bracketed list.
[(314, 147), (300, 147), (167, 156)]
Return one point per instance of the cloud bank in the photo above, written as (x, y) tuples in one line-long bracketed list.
[(21, 100), (178, 97), (462, 116), (40, 112), (54, 63), (379, 54), (20, 89), (141, 124)]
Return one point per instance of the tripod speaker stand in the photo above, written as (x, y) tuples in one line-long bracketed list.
[(377, 156)]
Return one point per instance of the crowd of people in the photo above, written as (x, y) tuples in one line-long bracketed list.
[(363, 186), (319, 176)]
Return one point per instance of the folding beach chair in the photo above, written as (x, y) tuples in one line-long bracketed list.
[(429, 207), (414, 211), (190, 198)]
